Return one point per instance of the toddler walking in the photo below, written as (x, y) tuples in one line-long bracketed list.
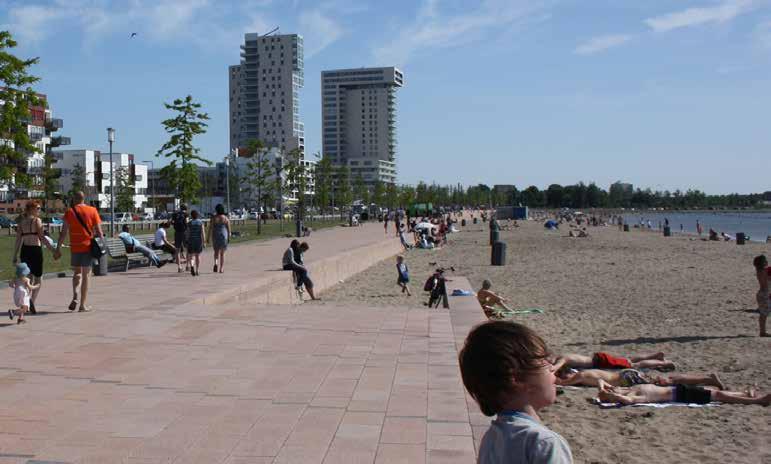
[(22, 288), (404, 275)]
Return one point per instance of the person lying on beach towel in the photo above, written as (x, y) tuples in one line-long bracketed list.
[(491, 303), (630, 377), (602, 360), (647, 393)]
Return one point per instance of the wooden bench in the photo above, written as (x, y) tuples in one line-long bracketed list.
[(117, 250)]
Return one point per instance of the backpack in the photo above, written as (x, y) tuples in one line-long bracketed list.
[(179, 221), (429, 285)]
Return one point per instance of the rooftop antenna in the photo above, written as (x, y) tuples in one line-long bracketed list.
[(271, 32)]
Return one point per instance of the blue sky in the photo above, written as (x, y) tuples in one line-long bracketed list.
[(663, 94)]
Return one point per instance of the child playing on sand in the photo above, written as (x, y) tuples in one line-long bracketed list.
[(404, 275), (647, 393), (505, 369), (22, 288), (762, 272), (490, 302)]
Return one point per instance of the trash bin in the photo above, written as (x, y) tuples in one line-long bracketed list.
[(740, 238), (498, 257), (494, 236), (463, 223), (100, 266), (475, 220), (626, 227), (667, 231)]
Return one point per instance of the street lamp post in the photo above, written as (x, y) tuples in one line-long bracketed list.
[(111, 139)]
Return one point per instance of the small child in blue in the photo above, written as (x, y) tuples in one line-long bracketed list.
[(404, 274)]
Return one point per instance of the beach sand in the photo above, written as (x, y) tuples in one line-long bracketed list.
[(624, 293)]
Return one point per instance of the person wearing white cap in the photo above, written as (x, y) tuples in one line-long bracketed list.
[(22, 288)]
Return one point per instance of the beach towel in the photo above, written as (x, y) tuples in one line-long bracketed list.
[(504, 314), (653, 405), (461, 292)]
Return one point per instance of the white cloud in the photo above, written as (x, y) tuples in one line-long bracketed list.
[(762, 35), (318, 30), (725, 11), (433, 29), (30, 23), (598, 44)]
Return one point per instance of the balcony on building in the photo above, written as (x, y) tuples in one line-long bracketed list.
[(54, 124), (59, 141)]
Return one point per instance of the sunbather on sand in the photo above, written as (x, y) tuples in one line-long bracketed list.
[(647, 393), (631, 377), (602, 360), (489, 300)]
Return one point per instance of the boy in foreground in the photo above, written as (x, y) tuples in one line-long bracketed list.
[(505, 369), (647, 393)]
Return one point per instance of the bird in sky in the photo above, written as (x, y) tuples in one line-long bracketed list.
[(133, 34)]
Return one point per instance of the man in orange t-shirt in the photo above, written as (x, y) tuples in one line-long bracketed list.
[(80, 245)]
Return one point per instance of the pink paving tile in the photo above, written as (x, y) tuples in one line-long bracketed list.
[(408, 430), (401, 454)]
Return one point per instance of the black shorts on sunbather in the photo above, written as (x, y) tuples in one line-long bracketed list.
[(692, 394)]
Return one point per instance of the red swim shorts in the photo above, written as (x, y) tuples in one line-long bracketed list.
[(603, 360)]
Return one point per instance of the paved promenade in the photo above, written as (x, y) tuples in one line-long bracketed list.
[(156, 375)]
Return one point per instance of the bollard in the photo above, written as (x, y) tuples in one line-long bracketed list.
[(626, 227), (498, 257), (463, 223), (667, 231), (494, 236), (100, 266), (740, 238)]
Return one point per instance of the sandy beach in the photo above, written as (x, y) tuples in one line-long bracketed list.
[(624, 293)]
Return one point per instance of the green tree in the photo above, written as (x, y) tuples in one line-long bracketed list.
[(78, 176), (181, 173), (257, 175), (323, 183), (343, 195), (406, 195), (378, 193), (124, 190), (360, 190), (17, 96), (391, 196), (297, 180)]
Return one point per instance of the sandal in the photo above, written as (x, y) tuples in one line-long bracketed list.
[(192, 271), (73, 305), (215, 268), (32, 309), (21, 321), (84, 309), (10, 313)]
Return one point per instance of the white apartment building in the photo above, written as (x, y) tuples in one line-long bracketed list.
[(264, 92), (40, 130), (358, 116), (277, 161), (96, 169)]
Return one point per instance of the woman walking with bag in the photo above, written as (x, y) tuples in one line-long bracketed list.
[(29, 247), (195, 240)]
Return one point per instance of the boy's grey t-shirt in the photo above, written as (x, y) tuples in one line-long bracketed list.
[(519, 438)]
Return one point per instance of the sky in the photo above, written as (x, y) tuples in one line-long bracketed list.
[(663, 94)]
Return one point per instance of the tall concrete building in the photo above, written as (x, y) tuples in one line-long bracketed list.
[(359, 120), (264, 92)]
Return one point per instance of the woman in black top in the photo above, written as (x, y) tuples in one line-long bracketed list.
[(29, 246)]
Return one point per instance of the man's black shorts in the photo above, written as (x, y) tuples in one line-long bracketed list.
[(692, 394)]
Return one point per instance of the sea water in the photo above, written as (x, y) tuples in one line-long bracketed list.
[(755, 224)]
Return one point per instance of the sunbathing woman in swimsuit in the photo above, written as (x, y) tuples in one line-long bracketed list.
[(490, 302)]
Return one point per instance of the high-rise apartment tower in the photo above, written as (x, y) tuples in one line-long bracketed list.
[(264, 92), (359, 120)]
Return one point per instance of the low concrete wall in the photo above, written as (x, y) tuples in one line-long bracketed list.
[(325, 273), (465, 311)]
